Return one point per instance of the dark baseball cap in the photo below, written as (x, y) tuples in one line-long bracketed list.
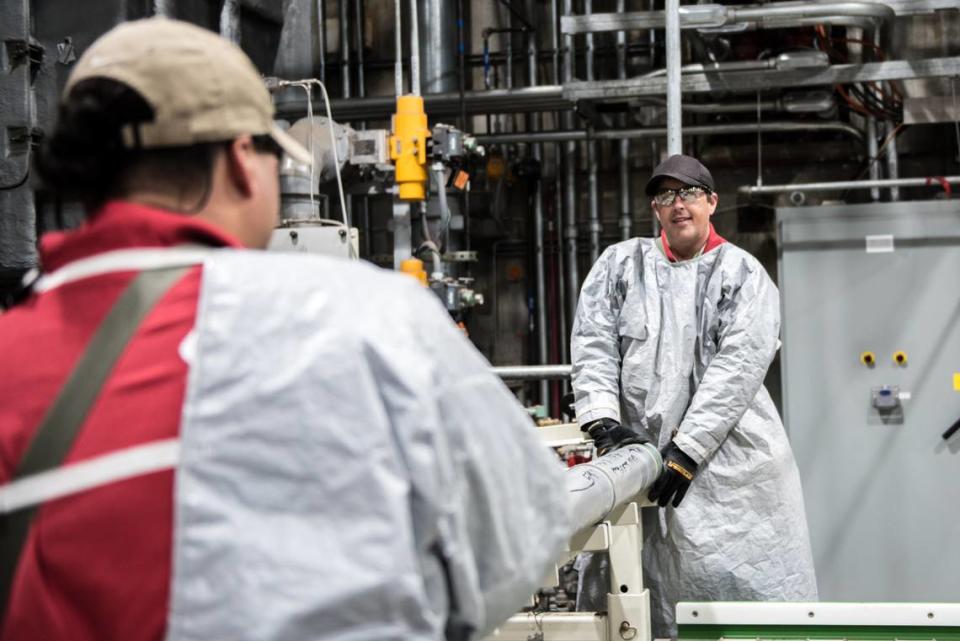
[(683, 168)]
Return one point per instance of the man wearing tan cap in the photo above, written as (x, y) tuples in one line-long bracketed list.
[(199, 441)]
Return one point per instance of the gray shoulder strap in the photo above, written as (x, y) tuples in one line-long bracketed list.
[(58, 430)]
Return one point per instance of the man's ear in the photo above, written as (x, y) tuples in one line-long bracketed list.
[(240, 164), (656, 212)]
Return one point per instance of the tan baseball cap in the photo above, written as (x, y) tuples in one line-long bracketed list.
[(201, 87)]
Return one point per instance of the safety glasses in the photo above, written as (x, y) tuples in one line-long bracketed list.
[(666, 197)]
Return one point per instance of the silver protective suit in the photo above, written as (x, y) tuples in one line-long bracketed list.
[(683, 348), (350, 467)]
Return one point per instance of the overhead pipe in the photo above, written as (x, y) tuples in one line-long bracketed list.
[(538, 229), (414, 50), (525, 99), (358, 36), (716, 16), (558, 197), (593, 189), (397, 65), (362, 92), (931, 181), (626, 219), (570, 194), (674, 99), (810, 102), (343, 9), (438, 46), (322, 39), (658, 132)]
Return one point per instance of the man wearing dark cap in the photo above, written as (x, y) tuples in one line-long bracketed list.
[(671, 342)]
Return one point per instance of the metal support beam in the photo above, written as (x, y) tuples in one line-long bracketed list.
[(768, 79)]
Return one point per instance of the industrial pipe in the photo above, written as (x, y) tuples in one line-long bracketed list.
[(776, 15), (626, 220), (569, 171), (414, 50), (715, 16), (538, 231), (438, 46), (593, 188), (397, 65), (932, 181), (674, 99), (525, 99), (658, 132), (597, 487), (893, 160), (343, 10), (532, 372), (230, 21), (322, 38), (809, 102), (358, 36), (873, 169)]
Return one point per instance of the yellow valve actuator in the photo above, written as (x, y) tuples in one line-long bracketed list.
[(408, 147), (414, 267)]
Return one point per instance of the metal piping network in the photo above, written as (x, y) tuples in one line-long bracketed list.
[(657, 132), (851, 184)]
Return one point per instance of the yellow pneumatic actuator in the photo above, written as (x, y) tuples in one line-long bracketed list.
[(408, 147)]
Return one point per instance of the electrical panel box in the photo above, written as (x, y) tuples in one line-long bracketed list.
[(870, 297)]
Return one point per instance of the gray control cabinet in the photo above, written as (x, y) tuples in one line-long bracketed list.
[(871, 379)]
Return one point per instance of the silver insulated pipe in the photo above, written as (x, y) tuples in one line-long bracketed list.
[(596, 488)]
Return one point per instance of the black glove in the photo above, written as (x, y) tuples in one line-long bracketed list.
[(678, 471), (608, 435)]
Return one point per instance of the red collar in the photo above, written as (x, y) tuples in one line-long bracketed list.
[(125, 225), (714, 240)]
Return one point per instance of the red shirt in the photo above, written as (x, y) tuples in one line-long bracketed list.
[(713, 240), (96, 565)]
